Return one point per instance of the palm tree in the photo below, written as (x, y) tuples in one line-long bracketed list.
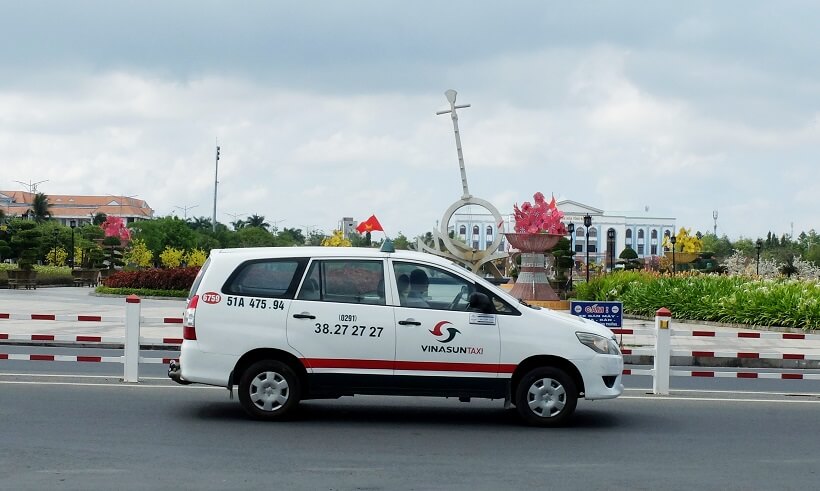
[(40, 208), (200, 223), (239, 224), (257, 221)]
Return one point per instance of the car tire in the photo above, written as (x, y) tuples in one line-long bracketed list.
[(269, 390), (546, 396)]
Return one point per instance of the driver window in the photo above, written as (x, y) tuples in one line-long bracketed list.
[(431, 288)]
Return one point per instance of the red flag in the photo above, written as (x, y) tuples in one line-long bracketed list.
[(370, 225)]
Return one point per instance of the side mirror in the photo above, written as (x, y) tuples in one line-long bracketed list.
[(480, 302)]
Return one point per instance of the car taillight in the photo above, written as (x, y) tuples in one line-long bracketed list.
[(189, 327)]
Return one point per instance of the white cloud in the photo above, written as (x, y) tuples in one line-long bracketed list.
[(673, 114)]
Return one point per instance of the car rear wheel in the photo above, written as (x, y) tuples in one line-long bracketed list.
[(546, 396), (269, 390)]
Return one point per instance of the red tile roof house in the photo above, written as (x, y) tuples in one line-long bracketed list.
[(66, 207)]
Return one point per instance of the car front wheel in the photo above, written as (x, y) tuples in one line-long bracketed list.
[(546, 396), (269, 390)]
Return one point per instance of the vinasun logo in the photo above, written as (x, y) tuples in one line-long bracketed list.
[(447, 336), (452, 331)]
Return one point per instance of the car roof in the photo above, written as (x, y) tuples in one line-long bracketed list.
[(329, 252)]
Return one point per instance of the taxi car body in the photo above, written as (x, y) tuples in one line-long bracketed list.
[(291, 324)]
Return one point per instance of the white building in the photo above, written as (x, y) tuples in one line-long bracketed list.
[(641, 230)]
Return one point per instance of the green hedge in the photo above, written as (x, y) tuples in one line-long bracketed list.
[(142, 292), (46, 275), (732, 299)]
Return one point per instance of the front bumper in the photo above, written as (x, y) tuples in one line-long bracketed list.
[(603, 377)]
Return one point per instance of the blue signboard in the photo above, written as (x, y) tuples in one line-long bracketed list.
[(609, 314)]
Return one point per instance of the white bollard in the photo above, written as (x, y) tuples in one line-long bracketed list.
[(660, 375), (132, 339)]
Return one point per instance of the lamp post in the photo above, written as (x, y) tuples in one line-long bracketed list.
[(758, 246), (571, 230), (56, 233), (73, 225), (673, 239), (587, 224), (610, 243)]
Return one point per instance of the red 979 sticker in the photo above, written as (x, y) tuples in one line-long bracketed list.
[(211, 297)]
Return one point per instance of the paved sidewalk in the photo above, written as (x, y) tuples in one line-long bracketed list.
[(74, 301)]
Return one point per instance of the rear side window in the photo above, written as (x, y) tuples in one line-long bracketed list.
[(345, 281), (272, 278), (198, 278)]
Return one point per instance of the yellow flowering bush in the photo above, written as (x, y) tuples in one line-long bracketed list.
[(195, 257), (336, 240), (56, 257), (139, 254), (684, 242), (171, 257)]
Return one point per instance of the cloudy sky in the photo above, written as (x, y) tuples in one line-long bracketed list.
[(327, 109)]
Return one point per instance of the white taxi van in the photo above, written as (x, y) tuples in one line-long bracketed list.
[(291, 324)]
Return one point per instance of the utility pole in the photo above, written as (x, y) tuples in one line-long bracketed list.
[(451, 98), (32, 186), (714, 217), (216, 182), (185, 209)]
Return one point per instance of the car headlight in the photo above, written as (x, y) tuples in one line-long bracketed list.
[(599, 344)]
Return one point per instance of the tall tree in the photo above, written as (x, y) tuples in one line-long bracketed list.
[(199, 223), (290, 237), (40, 208), (99, 218), (238, 224), (257, 221)]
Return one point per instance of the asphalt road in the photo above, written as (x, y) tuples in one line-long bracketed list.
[(75, 433)]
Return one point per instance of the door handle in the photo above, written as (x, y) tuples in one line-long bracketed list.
[(304, 315), (409, 322)]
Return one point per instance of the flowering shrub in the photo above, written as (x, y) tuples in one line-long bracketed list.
[(721, 298), (139, 254), (684, 242), (738, 264), (541, 217), (195, 257), (56, 256), (336, 240), (115, 227), (171, 257), (154, 278)]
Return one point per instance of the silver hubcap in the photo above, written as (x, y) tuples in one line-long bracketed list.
[(269, 391), (547, 397)]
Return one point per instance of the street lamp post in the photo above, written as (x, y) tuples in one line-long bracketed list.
[(758, 246), (56, 242), (73, 225), (587, 224), (673, 239), (610, 243), (571, 230)]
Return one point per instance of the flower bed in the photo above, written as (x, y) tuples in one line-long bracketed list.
[(732, 299), (154, 279)]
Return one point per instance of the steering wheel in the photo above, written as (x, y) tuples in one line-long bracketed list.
[(460, 294)]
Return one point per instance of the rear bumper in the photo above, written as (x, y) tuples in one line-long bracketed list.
[(175, 373)]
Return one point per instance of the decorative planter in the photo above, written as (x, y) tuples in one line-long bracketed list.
[(682, 257), (532, 282)]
